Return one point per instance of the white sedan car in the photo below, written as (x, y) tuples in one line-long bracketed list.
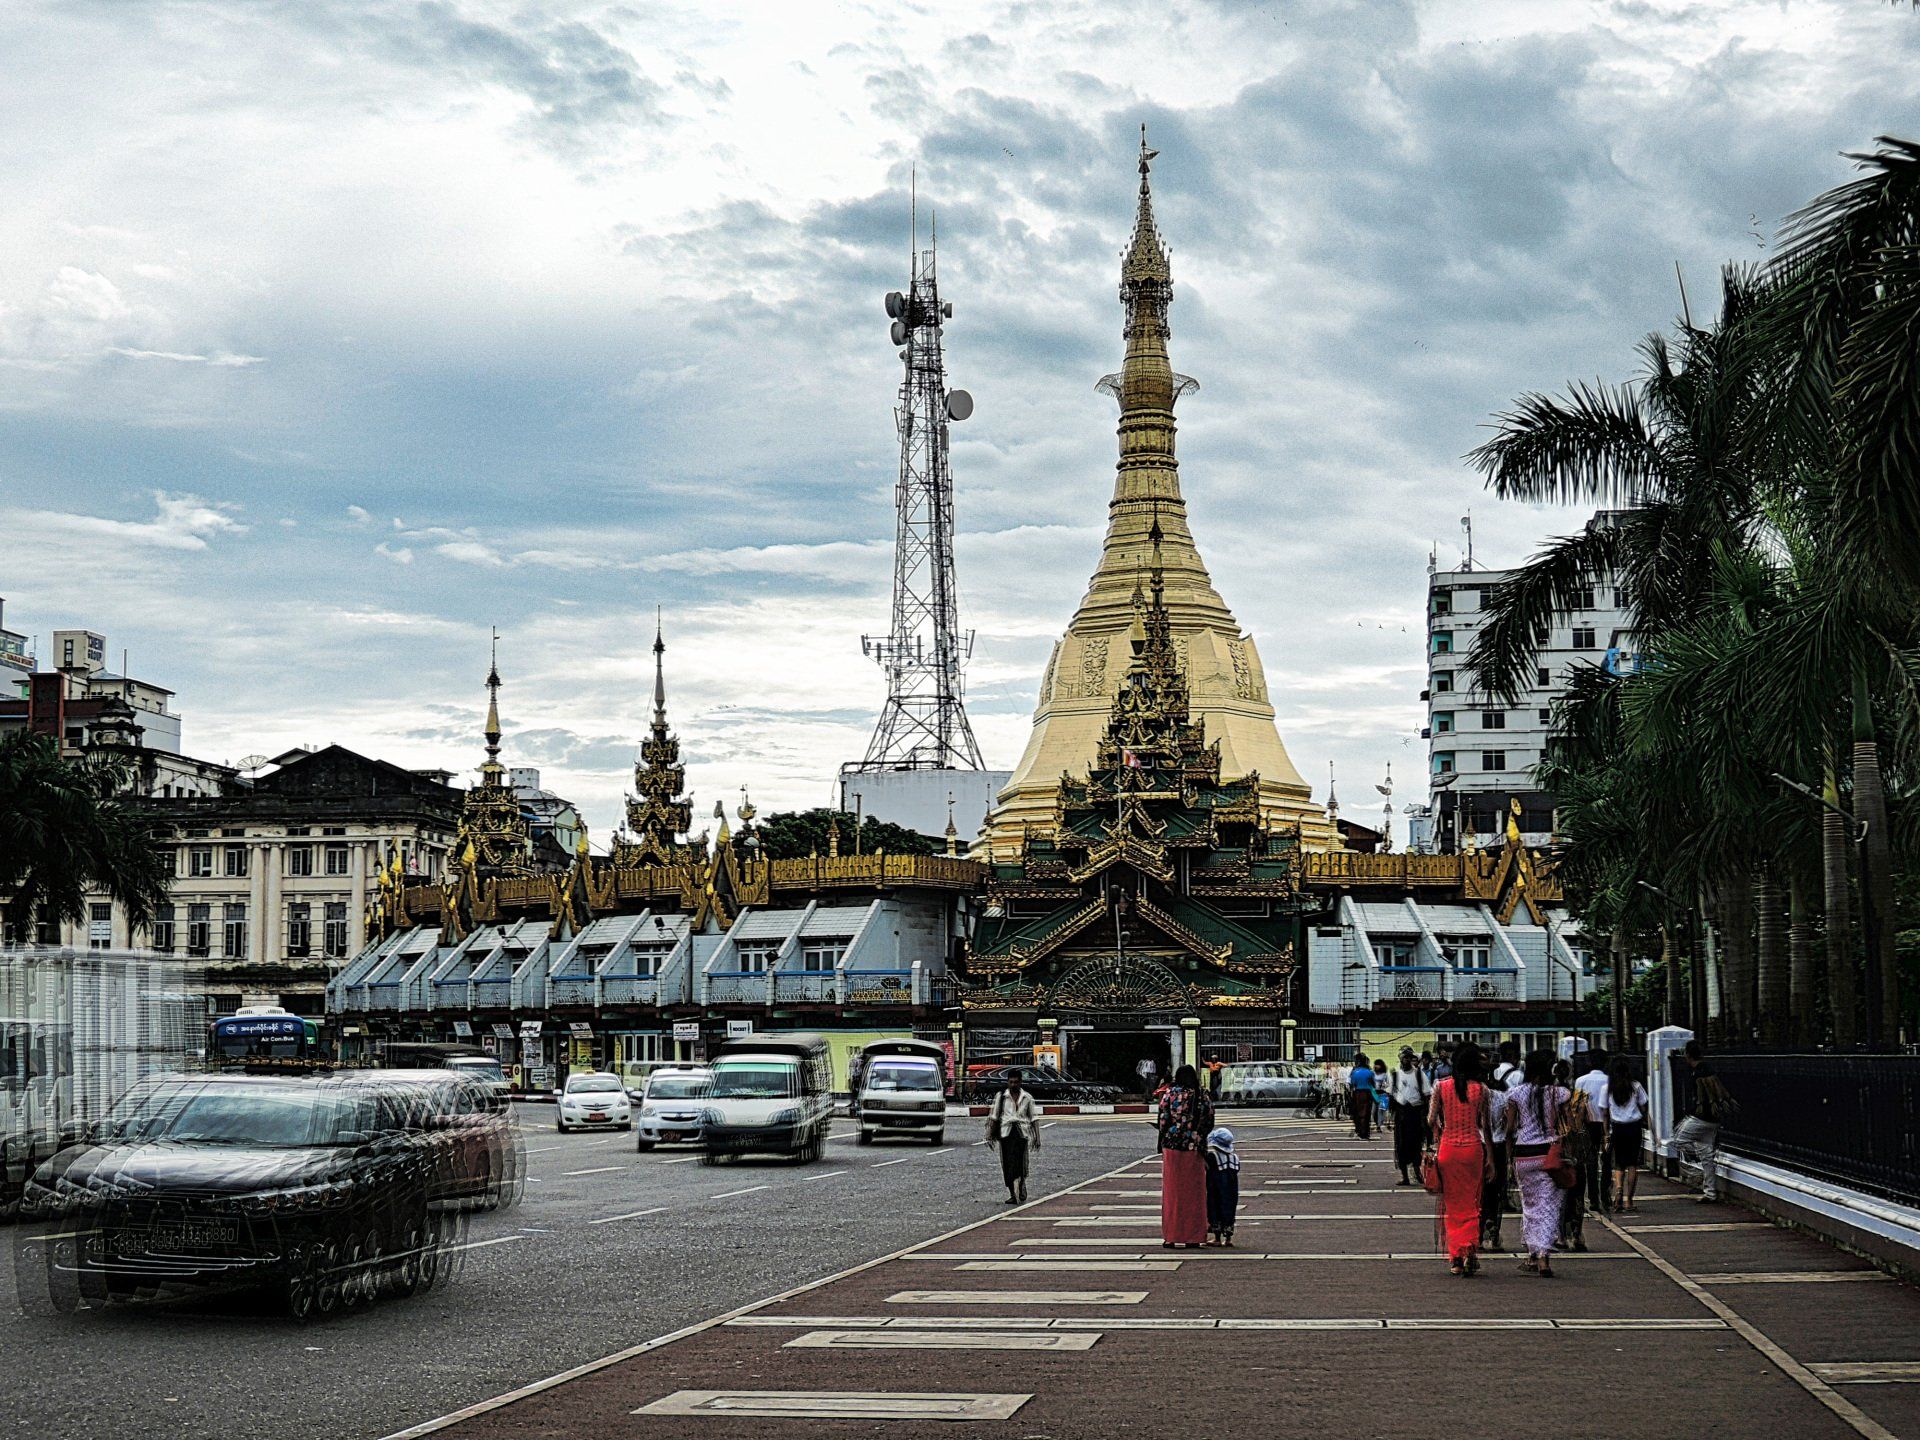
[(593, 1100)]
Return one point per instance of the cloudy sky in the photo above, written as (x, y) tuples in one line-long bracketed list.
[(333, 334)]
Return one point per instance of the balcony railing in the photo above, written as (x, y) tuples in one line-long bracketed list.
[(630, 990), (1412, 982), (1347, 867), (802, 986), (1489, 984), (491, 994), (383, 995), (879, 987), (737, 987), (570, 990)]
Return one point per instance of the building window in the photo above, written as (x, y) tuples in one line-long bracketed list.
[(1442, 602), (1443, 722), (333, 829), (199, 931), (1542, 677), (758, 955), (1467, 952), (1583, 637), (299, 931), (336, 859), (299, 860), (336, 937), (647, 959), (163, 929), (200, 861), (1493, 759), (99, 926), (1621, 601), (299, 830), (1443, 642), (1583, 598), (233, 932), (1493, 719), (821, 955), (1443, 762), (1546, 715), (1393, 952), (236, 859), (236, 833)]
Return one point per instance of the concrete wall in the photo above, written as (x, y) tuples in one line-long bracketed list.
[(917, 799)]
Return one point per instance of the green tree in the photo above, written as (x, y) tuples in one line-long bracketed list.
[(794, 834), (66, 830)]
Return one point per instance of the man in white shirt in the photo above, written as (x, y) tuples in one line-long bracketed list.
[(1493, 1200), (1408, 1090), (1593, 1087)]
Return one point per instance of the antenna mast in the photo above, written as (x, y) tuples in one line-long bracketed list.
[(923, 725)]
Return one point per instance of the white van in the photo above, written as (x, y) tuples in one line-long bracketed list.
[(903, 1090), (771, 1094)]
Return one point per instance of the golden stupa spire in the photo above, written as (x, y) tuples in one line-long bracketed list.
[(492, 772), (1147, 527)]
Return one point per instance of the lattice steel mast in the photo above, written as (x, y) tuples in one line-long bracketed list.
[(924, 723)]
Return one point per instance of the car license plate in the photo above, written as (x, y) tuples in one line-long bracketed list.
[(186, 1235), (596, 1115)]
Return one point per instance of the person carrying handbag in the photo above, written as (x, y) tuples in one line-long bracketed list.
[(1013, 1128)]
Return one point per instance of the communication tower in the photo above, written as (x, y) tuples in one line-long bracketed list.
[(923, 725)]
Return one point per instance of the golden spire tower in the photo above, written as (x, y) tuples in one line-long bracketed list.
[(659, 810), (493, 838), (1226, 681)]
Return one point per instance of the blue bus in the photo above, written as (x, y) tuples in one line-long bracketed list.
[(262, 1035)]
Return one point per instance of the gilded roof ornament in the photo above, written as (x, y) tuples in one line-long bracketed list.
[(659, 810)]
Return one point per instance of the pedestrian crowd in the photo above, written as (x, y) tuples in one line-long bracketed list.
[(1478, 1129)]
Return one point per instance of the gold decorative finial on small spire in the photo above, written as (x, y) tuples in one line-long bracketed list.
[(492, 771), (953, 835)]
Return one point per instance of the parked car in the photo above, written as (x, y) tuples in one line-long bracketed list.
[(315, 1186), (771, 1094), (670, 1105), (592, 1099), (1047, 1085), (1268, 1082)]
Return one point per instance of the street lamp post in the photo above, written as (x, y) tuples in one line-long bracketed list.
[(1869, 911)]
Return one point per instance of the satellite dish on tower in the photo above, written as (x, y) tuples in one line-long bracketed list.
[(896, 304), (251, 763), (899, 332), (959, 404)]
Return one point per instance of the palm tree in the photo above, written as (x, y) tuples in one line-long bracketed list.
[(66, 831)]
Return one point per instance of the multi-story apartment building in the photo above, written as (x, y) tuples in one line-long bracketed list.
[(16, 660), (271, 877), (1482, 752)]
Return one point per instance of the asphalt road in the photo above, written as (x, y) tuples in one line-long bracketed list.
[(575, 1272)]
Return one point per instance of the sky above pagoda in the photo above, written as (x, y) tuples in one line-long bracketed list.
[(333, 335)]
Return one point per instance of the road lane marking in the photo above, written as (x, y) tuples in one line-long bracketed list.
[(1080, 1324), (597, 1170), (1129, 1266), (1790, 1277), (728, 1195), (681, 1160), (881, 1165), (700, 1327), (1807, 1380), (944, 1340), (1017, 1297), (630, 1215), (837, 1405), (1870, 1372), (481, 1244), (828, 1176)]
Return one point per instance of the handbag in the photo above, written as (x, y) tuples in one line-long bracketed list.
[(1430, 1172), (1558, 1170)]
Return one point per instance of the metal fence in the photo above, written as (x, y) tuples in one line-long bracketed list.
[(1845, 1118)]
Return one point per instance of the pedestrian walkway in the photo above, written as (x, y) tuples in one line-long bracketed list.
[(1066, 1318)]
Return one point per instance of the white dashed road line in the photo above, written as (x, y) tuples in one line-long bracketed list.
[(729, 1194), (630, 1215), (597, 1170)]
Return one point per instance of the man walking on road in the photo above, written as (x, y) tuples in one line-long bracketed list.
[(1013, 1127), (1360, 1097), (1410, 1092), (1697, 1137), (1593, 1086), (1493, 1204), (1148, 1072)]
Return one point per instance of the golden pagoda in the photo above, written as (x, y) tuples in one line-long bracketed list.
[(1227, 683), (659, 810)]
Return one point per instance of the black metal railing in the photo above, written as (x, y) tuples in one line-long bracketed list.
[(1844, 1118)]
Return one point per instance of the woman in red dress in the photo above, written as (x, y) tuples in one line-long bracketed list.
[(1186, 1115), (1457, 1120)]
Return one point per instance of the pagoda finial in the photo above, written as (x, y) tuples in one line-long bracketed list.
[(1333, 800), (1146, 257), (659, 672), (492, 771), (953, 835)]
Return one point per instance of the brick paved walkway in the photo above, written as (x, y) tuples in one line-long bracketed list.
[(1333, 1316)]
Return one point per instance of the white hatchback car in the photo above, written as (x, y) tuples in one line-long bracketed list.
[(672, 1105), (593, 1100)]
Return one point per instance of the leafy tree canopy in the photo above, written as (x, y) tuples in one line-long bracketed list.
[(795, 834)]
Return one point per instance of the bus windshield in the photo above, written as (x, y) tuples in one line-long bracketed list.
[(755, 1080)]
